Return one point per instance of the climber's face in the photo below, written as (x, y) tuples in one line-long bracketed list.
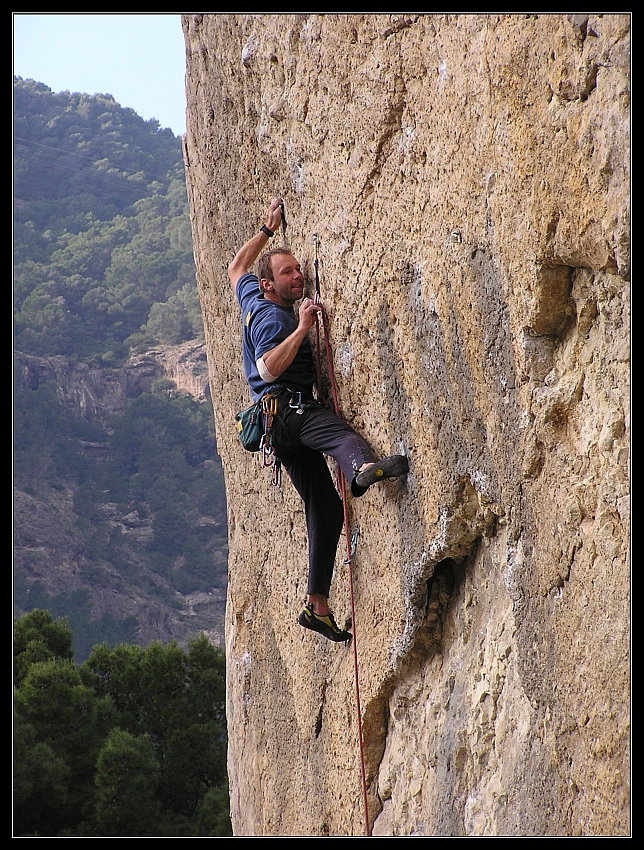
[(287, 285)]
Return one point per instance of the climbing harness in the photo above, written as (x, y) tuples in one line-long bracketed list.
[(351, 535), (295, 403)]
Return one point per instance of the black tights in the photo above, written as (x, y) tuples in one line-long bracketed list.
[(301, 447)]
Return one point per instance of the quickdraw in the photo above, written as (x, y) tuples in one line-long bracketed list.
[(269, 411), (353, 546), (270, 406), (283, 222)]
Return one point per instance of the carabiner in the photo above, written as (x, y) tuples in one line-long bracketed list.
[(268, 454), (298, 401)]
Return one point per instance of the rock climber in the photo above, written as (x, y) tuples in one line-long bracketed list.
[(278, 359)]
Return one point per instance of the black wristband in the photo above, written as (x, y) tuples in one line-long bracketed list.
[(266, 231)]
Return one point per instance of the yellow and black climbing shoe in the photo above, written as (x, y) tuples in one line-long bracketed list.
[(389, 467), (324, 625)]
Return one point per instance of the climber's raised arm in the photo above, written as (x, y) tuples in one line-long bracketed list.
[(250, 251)]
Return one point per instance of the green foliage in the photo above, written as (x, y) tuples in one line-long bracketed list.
[(103, 264), (103, 250), (70, 721), (76, 610), (127, 777), (40, 782), (213, 818), (85, 149), (132, 742), (48, 436), (38, 637), (162, 463)]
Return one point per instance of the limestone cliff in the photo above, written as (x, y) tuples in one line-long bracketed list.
[(468, 176)]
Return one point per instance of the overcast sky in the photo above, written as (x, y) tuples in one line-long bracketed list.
[(138, 59)]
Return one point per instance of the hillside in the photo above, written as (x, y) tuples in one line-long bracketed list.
[(119, 507)]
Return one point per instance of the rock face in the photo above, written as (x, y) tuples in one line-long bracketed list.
[(468, 179)]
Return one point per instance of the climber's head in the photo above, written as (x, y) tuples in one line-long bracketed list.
[(280, 277), (265, 269)]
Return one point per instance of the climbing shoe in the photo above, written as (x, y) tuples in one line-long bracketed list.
[(324, 625), (389, 467)]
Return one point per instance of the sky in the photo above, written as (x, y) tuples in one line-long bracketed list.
[(138, 59)]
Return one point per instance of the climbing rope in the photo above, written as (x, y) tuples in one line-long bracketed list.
[(351, 535)]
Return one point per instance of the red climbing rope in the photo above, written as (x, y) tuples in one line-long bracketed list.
[(342, 486)]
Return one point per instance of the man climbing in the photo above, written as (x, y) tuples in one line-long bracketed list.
[(278, 359)]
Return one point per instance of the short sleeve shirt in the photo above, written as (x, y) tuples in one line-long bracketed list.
[(264, 325)]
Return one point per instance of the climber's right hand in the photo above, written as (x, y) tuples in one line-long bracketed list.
[(274, 216)]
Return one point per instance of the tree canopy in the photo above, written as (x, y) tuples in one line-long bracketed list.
[(130, 743)]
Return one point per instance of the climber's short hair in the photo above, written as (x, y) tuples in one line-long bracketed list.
[(264, 268)]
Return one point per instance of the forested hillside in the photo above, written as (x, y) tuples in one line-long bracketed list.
[(102, 246), (119, 517)]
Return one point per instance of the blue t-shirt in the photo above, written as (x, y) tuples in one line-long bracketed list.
[(264, 325)]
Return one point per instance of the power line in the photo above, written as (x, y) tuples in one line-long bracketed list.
[(83, 160)]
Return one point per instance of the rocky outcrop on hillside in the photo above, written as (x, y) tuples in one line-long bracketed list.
[(468, 176), (95, 393)]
